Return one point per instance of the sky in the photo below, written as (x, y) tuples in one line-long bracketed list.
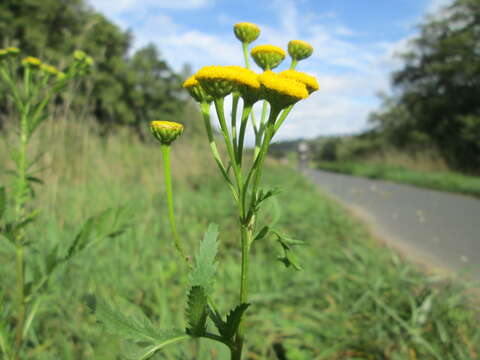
[(355, 45)]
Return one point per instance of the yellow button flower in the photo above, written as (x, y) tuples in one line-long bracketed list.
[(309, 81), (31, 61), (281, 91), (246, 32), (196, 91), (166, 131), (219, 81), (268, 57), (299, 49)]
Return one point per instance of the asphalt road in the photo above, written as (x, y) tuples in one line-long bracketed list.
[(436, 228)]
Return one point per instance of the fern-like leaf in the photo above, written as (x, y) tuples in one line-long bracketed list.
[(233, 320), (139, 330), (203, 272), (196, 311)]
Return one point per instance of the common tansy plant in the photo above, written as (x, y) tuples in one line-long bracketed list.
[(277, 92)]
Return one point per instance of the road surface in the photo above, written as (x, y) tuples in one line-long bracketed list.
[(436, 228)]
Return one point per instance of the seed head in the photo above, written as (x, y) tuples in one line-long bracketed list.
[(268, 57), (246, 32), (166, 131), (299, 49)]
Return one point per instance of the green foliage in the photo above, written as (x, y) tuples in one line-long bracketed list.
[(438, 88), (196, 311), (123, 89), (203, 272), (234, 318), (3, 201), (137, 329)]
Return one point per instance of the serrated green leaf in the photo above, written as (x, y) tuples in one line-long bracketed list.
[(234, 319), (203, 272), (217, 320), (136, 329), (196, 311), (3, 201), (139, 330)]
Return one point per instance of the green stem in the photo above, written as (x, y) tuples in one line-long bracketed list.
[(228, 141), (282, 117), (246, 235), (205, 108), (168, 186), (236, 97), (294, 63), (261, 130), (21, 305), (247, 109), (245, 54)]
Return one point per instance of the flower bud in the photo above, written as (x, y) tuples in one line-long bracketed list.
[(246, 32), (299, 49), (166, 131), (31, 62), (12, 50), (49, 69), (268, 57), (79, 55)]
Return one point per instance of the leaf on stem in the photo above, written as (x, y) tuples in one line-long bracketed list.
[(234, 319), (203, 272), (196, 311), (288, 258), (139, 330)]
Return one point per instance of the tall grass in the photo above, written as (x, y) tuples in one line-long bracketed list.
[(353, 300)]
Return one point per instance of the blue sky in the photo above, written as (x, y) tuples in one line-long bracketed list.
[(355, 43)]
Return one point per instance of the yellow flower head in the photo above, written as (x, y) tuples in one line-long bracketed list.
[(299, 49), (219, 81), (166, 131), (268, 57), (3, 53), (12, 50), (31, 61), (309, 81), (49, 69), (246, 32), (196, 91), (280, 90), (247, 84)]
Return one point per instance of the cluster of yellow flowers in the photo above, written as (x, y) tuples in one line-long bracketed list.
[(282, 89)]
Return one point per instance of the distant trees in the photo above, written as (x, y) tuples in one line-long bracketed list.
[(438, 89), (122, 89)]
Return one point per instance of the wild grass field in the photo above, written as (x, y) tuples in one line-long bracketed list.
[(354, 299)]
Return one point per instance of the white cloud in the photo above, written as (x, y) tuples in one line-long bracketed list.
[(350, 73)]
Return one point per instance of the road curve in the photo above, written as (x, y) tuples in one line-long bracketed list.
[(437, 228)]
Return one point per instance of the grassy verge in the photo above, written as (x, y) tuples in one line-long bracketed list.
[(353, 299), (444, 181)]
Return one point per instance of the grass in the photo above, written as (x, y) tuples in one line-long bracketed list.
[(353, 300), (438, 180)]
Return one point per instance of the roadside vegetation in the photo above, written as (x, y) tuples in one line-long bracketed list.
[(83, 217), (353, 299)]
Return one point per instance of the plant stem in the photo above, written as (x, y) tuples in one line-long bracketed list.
[(20, 200), (246, 234), (168, 187), (294, 63)]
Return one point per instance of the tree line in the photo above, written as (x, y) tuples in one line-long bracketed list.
[(124, 89), (436, 97)]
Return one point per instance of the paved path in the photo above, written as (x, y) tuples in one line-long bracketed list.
[(438, 228)]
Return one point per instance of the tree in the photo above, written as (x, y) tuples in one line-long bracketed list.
[(440, 83)]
